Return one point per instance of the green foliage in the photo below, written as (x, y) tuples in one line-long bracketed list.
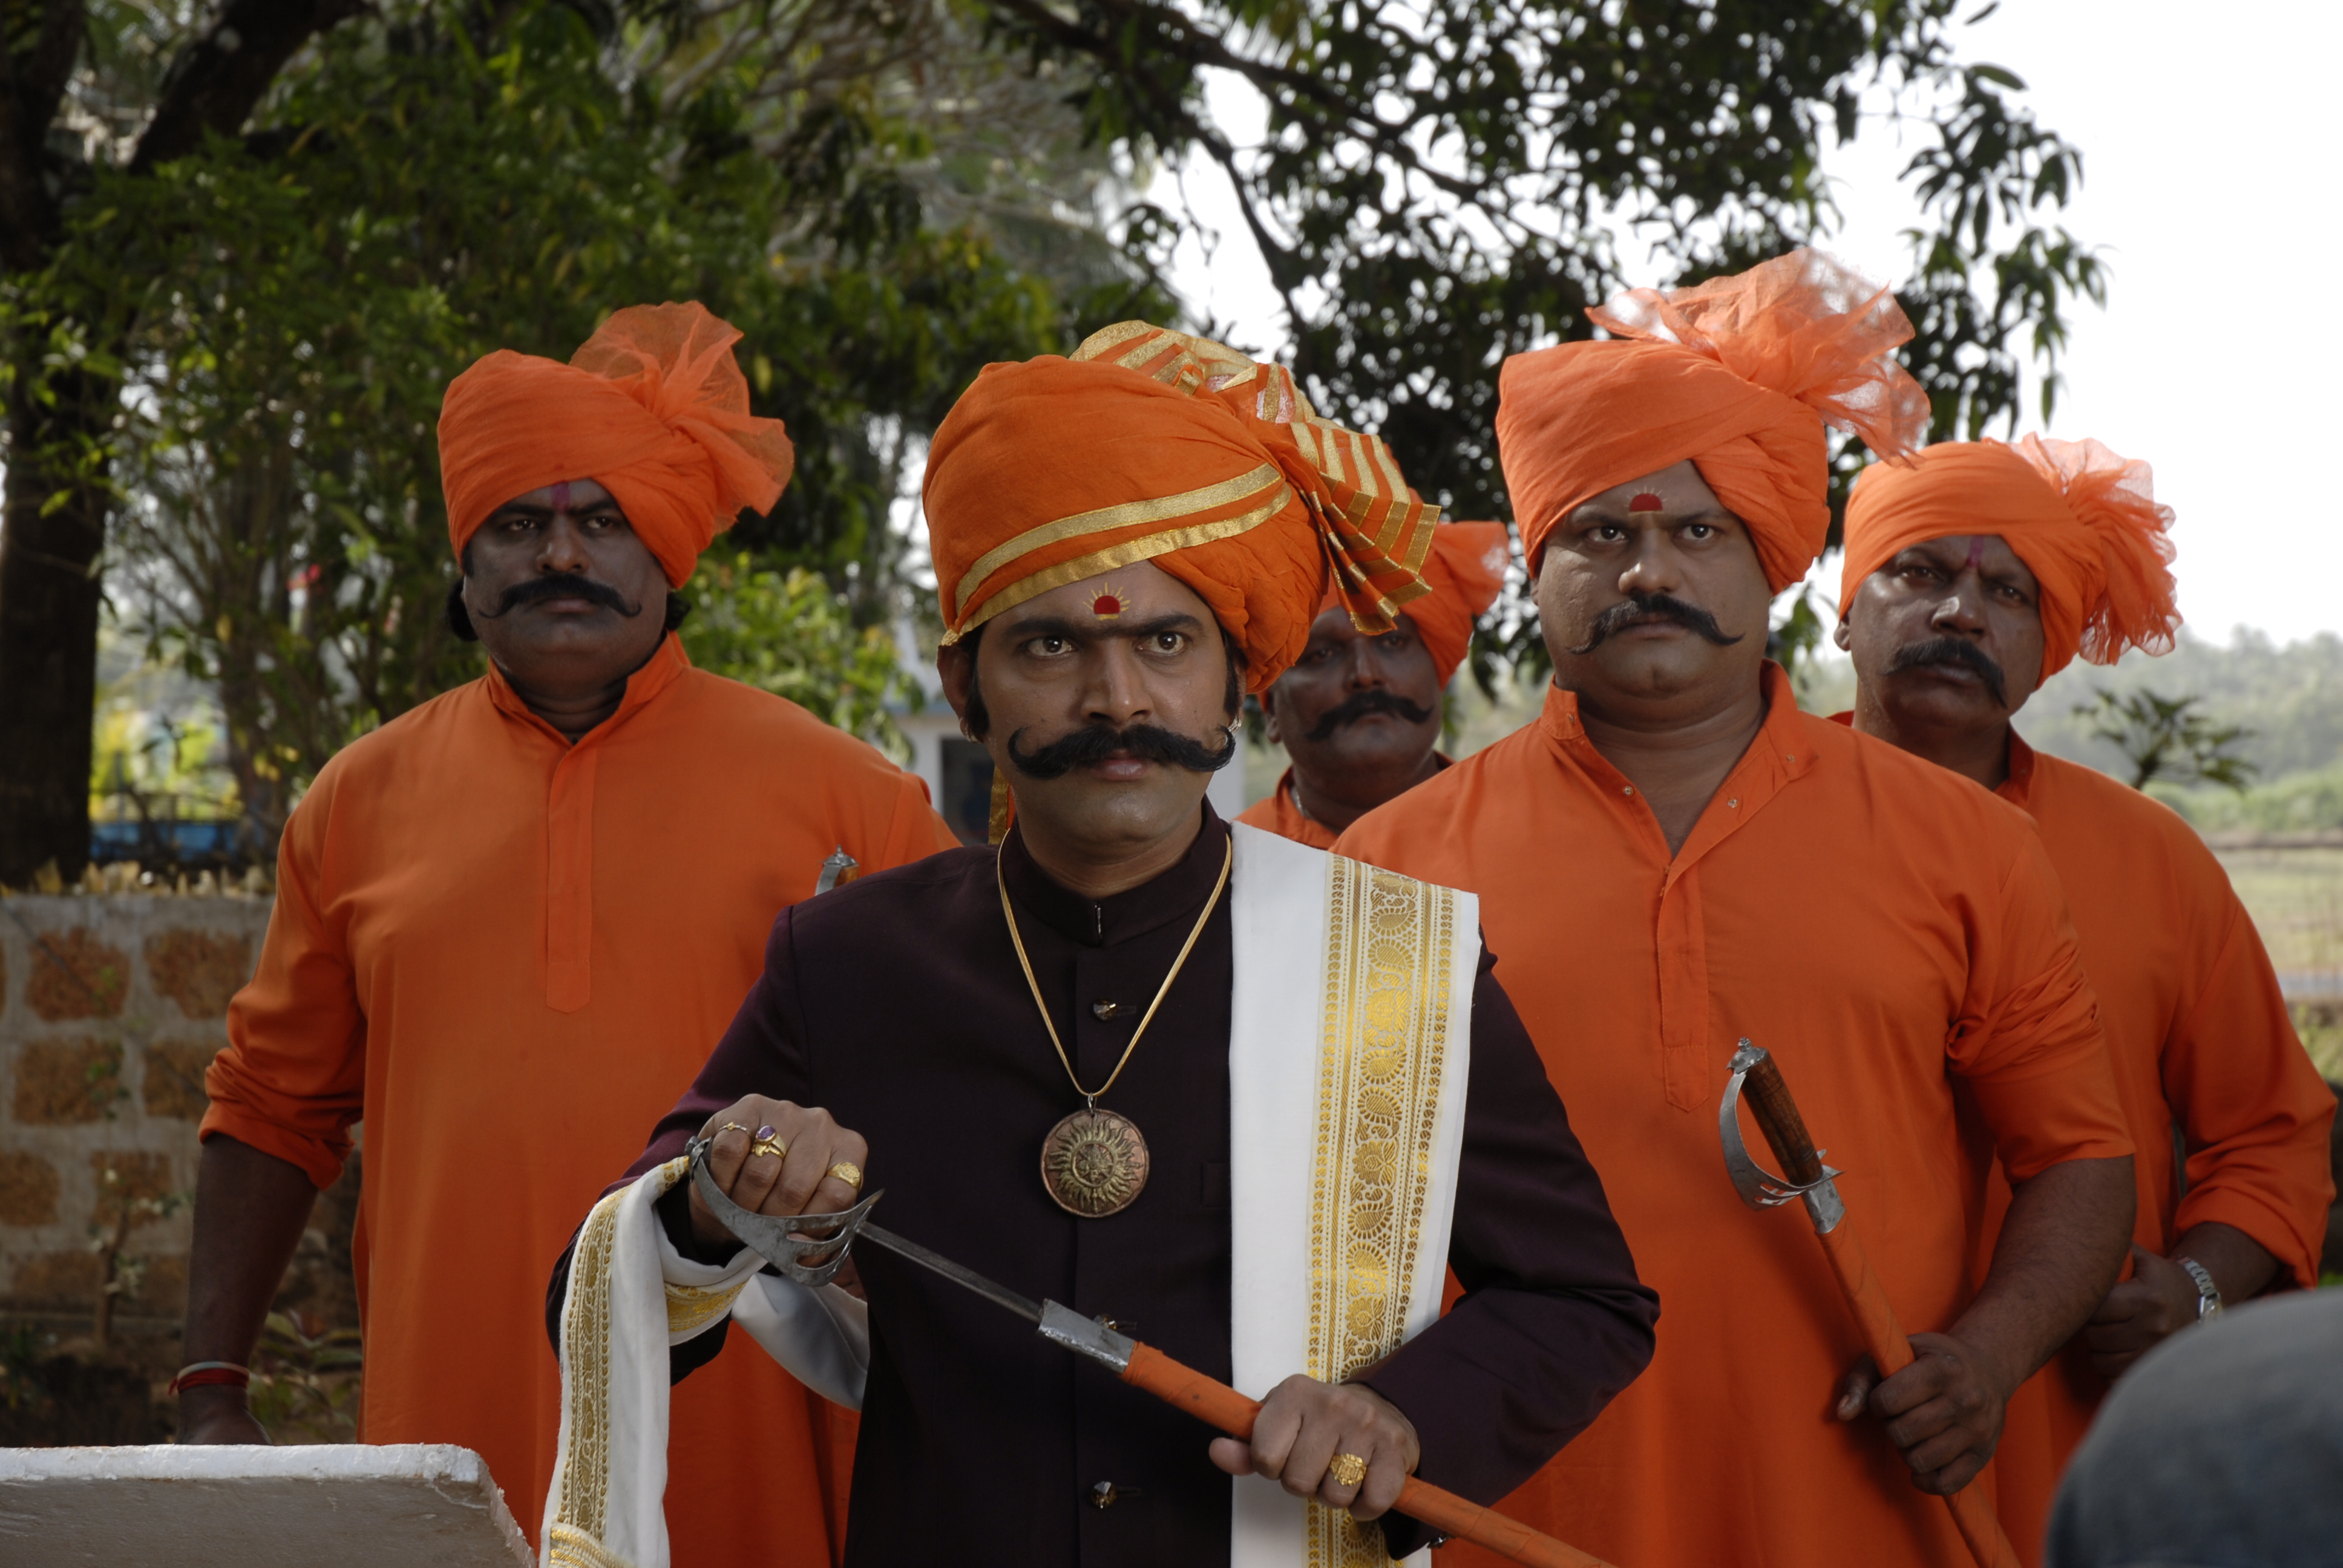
[(304, 1382), (1446, 183), (791, 634), (2169, 737), (2310, 802), (283, 313), (2288, 699), (121, 1275), (884, 198), (1796, 639)]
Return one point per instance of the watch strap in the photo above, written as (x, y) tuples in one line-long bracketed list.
[(2209, 1294)]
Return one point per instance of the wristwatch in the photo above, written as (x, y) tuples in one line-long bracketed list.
[(2209, 1294)]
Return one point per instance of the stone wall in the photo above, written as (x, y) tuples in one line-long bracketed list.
[(111, 1006)]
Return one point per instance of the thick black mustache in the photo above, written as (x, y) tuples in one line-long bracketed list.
[(1636, 609), (536, 591), (1950, 650), (1358, 704), (1095, 743)]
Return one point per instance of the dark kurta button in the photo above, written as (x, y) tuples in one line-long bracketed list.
[(1103, 1010), (1106, 1495)]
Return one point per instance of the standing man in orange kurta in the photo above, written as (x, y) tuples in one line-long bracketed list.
[(1359, 714), (1973, 574), (510, 924), (1673, 857)]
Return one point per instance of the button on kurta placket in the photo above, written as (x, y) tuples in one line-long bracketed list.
[(1145, 1265), (569, 879), (1680, 945), (1102, 1283), (570, 827)]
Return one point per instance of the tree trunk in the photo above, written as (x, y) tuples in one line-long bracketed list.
[(55, 501), (49, 596)]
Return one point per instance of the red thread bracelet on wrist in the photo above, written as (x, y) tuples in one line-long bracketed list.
[(207, 1374)]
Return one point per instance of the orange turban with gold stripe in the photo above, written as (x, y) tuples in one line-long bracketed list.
[(2083, 520), (1149, 445), (1739, 375), (652, 407), (1466, 571)]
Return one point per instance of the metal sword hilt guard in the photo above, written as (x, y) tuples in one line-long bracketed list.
[(1759, 1188), (778, 1239)]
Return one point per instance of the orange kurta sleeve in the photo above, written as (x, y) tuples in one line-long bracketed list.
[(916, 830), (2253, 1110), (292, 1080), (2029, 1043)]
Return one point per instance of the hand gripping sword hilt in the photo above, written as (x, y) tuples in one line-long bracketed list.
[(1759, 1188), (783, 1240)]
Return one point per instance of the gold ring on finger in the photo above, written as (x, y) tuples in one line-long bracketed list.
[(848, 1172), (772, 1146), (1346, 1469), (730, 1127)]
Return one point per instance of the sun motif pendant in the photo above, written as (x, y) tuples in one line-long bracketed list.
[(1094, 1162)]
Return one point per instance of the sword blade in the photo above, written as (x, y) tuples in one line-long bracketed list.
[(966, 1278)]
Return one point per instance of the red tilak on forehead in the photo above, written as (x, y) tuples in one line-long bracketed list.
[(1976, 551), (1645, 501), (561, 497)]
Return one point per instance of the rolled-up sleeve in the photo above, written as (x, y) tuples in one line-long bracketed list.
[(292, 1082), (2028, 1040), (2255, 1115)]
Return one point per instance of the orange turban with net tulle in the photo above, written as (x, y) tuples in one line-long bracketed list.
[(1739, 375), (2083, 519), (1465, 572), (652, 408), (1149, 445)]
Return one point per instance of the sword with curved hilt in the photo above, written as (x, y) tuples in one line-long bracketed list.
[(1806, 1178), (786, 1243)]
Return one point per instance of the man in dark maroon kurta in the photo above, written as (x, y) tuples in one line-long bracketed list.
[(896, 1003), (894, 1029)]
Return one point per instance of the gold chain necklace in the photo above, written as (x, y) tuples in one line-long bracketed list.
[(1094, 1162)]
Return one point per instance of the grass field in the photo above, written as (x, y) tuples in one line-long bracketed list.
[(2296, 897)]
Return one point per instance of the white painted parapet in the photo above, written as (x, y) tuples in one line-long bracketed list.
[(329, 1506)]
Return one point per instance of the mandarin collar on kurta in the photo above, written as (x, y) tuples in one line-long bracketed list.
[(1102, 922), (1559, 716), (656, 675)]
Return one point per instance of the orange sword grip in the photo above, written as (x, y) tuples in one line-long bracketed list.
[(1891, 1352), (1217, 1404)]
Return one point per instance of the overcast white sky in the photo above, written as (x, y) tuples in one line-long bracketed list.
[(2210, 156)]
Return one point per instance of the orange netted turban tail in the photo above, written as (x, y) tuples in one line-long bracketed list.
[(652, 408), (1465, 571), (1739, 375), (2083, 519), (1149, 445)]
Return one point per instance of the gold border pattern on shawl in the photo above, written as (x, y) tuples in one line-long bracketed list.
[(574, 1539), (1389, 945), (690, 1308)]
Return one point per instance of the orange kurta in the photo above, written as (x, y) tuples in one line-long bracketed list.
[(1884, 929), (2200, 1037), (1280, 813), (509, 956)]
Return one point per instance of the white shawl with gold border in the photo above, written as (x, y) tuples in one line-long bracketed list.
[(1350, 1044), (1349, 1051), (631, 1296)]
